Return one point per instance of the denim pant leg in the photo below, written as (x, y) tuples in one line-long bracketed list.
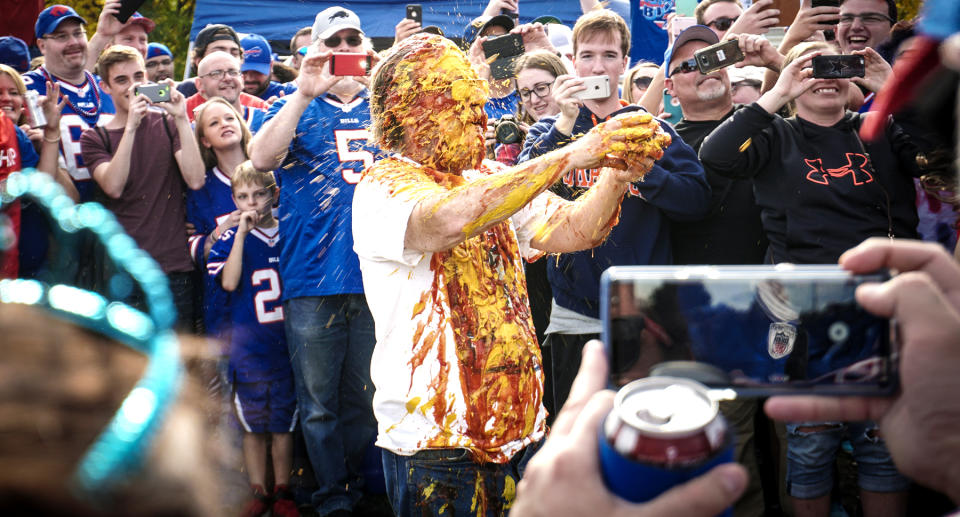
[(810, 457), (875, 469), (181, 287), (357, 423), (448, 482), (318, 338)]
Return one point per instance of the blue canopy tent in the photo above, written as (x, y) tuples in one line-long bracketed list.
[(277, 20)]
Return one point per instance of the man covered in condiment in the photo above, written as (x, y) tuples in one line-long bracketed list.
[(441, 235)]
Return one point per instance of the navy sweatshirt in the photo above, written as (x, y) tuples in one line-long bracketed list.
[(676, 188), (818, 192)]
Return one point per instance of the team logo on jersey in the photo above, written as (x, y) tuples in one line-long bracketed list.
[(656, 10), (8, 157), (780, 339), (856, 168)]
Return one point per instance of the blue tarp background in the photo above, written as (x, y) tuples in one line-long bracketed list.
[(279, 19)]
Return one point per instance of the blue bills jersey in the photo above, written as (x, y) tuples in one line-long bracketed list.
[(258, 349), (87, 106), (206, 209), (324, 162)]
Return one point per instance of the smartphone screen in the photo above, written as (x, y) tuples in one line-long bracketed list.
[(350, 64), (760, 330)]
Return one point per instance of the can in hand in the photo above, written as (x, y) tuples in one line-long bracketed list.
[(35, 114), (661, 432)]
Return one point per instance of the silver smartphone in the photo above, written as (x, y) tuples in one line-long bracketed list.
[(758, 330), (598, 87)]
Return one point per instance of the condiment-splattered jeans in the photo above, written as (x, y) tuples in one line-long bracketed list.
[(449, 482), (812, 448), (330, 339)]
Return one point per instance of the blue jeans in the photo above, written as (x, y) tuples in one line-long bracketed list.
[(446, 482), (330, 339), (810, 457)]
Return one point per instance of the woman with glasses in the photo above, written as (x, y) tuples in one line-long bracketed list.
[(821, 190), (637, 80)]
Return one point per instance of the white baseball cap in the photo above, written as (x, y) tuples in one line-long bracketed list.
[(333, 19)]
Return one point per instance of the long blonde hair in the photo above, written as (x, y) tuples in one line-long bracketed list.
[(207, 153)]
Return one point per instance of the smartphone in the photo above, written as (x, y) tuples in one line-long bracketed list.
[(838, 67), (788, 11), (514, 15), (721, 55), (756, 330), (350, 64), (598, 87), (671, 105), (127, 8), (827, 3), (415, 13), (154, 92), (499, 47)]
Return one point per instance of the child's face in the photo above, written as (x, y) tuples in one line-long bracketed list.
[(253, 197)]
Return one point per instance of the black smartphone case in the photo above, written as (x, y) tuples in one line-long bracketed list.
[(838, 67)]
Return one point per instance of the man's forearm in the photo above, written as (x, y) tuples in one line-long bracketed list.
[(269, 146), (586, 222), (112, 176), (189, 158), (442, 221)]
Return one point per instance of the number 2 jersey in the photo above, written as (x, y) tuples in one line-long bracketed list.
[(258, 348), (86, 106), (324, 162)]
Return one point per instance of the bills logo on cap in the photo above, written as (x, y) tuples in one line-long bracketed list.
[(338, 14), (780, 339), (252, 52), (59, 10)]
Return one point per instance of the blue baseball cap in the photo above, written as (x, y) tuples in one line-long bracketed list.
[(257, 55), (691, 33), (51, 18), (15, 53), (157, 50), (479, 24)]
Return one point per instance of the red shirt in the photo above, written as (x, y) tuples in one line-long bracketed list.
[(195, 100)]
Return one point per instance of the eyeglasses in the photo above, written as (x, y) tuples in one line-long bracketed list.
[(642, 82), (158, 62), (541, 90), (687, 66), (722, 23), (865, 18), (63, 37), (218, 74), (334, 41)]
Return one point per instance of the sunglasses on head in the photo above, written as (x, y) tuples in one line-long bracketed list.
[(684, 67), (722, 23), (334, 41), (642, 82)]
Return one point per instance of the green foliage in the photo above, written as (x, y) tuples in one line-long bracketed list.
[(907, 9), (173, 18)]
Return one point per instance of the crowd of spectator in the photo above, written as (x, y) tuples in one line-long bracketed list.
[(367, 251)]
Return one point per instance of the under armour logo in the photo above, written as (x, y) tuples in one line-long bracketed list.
[(855, 167), (338, 14)]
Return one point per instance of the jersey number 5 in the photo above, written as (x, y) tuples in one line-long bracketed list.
[(269, 295), (344, 154)]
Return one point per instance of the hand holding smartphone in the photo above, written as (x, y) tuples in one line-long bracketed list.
[(597, 87), (720, 55), (838, 66), (350, 64), (757, 330), (154, 92)]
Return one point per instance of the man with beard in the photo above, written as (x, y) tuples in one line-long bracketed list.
[(257, 67), (159, 62), (316, 140), (441, 234), (219, 76)]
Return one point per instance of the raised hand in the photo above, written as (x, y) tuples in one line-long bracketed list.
[(315, 79)]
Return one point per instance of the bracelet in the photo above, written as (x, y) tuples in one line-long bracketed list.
[(52, 141)]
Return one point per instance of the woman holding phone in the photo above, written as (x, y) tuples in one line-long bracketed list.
[(821, 191)]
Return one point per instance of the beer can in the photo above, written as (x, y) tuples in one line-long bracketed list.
[(661, 432), (35, 115)]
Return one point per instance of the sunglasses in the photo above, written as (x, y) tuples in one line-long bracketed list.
[(687, 66), (642, 82), (334, 41), (722, 23)]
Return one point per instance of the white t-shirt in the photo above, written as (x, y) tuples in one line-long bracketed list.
[(456, 363)]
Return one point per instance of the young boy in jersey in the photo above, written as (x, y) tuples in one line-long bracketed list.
[(245, 261)]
